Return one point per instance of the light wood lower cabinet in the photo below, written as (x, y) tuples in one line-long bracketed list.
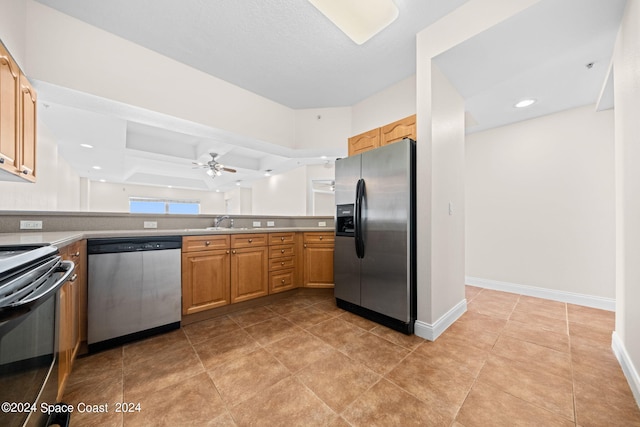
[(72, 312), (205, 280), (249, 273), (282, 262), (318, 259)]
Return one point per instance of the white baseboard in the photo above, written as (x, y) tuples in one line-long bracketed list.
[(629, 370), (432, 331), (552, 294)]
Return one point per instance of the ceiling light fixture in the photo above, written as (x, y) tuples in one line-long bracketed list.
[(103, 180), (238, 183), (525, 103), (86, 145), (97, 168), (267, 172), (358, 19)]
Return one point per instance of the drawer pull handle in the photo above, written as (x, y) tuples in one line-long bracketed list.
[(207, 243), (73, 278), (305, 245), (227, 252), (282, 238), (233, 252), (77, 254), (282, 281), (282, 263), (320, 237), (250, 240), (281, 251)]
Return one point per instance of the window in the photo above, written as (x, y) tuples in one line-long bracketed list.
[(163, 206)]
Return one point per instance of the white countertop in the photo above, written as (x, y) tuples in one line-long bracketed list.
[(63, 238)]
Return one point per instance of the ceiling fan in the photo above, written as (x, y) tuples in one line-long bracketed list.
[(213, 167)]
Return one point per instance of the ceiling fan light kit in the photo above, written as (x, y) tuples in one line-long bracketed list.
[(213, 167)]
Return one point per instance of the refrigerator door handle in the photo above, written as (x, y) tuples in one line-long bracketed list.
[(358, 219)]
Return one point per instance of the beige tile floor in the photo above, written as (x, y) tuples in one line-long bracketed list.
[(510, 360)]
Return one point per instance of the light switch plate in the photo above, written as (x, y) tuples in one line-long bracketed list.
[(257, 224), (322, 224), (151, 224), (30, 225), (271, 223)]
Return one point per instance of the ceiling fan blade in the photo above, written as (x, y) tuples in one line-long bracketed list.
[(229, 170)]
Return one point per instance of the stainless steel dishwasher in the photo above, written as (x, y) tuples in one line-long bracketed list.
[(133, 290)]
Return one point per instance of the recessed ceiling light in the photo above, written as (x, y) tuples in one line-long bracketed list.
[(323, 157), (169, 186), (358, 19), (86, 145), (525, 103), (103, 180), (238, 183), (97, 168), (217, 190), (267, 172)]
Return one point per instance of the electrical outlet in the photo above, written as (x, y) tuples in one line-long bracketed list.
[(322, 224), (271, 223), (30, 225), (257, 224), (151, 224)]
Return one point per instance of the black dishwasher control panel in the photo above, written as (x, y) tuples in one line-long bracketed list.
[(132, 244)]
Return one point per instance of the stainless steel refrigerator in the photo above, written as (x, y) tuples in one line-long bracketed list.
[(374, 261)]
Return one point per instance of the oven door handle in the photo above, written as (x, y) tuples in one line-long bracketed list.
[(65, 267)]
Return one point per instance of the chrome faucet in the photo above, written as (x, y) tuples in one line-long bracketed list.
[(218, 220)]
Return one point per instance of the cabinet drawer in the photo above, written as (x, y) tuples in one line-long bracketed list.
[(248, 240), (281, 281), (281, 238), (203, 243), (319, 237), (281, 251), (281, 263)]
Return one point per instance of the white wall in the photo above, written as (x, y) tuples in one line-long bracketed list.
[(627, 143), (110, 197), (540, 203), (321, 129), (57, 186), (238, 201), (281, 194), (67, 52), (439, 175), (12, 30), (319, 203), (394, 103)]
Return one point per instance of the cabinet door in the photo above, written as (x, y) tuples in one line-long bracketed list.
[(27, 129), (318, 266), (205, 280), (396, 131), (364, 142), (9, 134), (249, 273), (64, 337)]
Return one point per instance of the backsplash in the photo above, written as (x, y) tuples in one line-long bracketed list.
[(86, 221)]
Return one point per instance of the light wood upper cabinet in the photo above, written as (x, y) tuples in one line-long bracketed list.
[(364, 142), (17, 122), (9, 99), (398, 130), (388, 134), (28, 101)]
